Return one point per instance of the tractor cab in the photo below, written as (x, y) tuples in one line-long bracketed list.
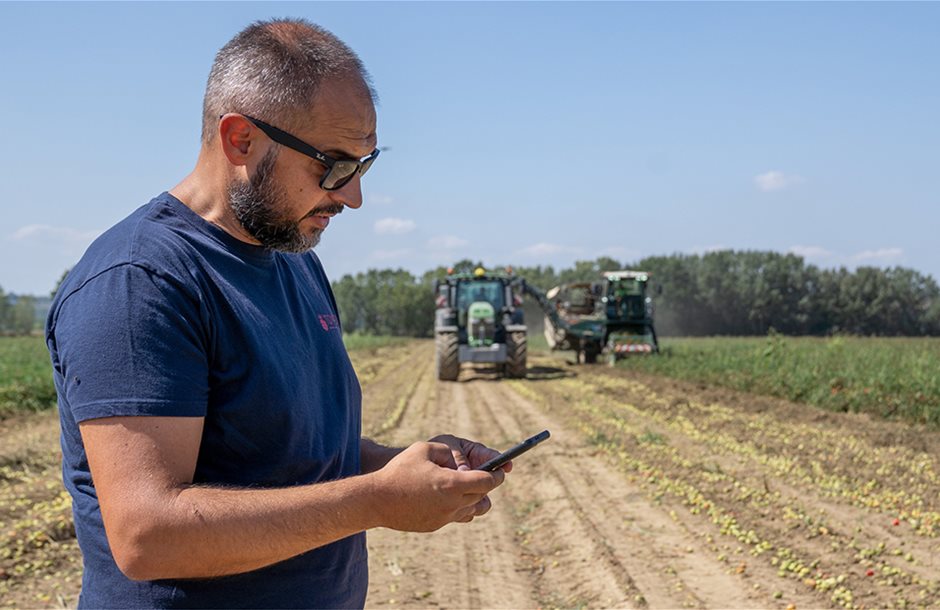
[(625, 297)]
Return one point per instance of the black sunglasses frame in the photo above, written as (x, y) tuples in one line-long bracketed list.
[(344, 169)]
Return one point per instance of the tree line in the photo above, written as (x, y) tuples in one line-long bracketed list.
[(719, 293), (727, 292), (17, 314)]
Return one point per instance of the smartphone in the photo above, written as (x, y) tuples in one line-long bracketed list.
[(516, 451)]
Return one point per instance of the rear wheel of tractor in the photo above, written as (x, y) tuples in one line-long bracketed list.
[(516, 353), (448, 364), (589, 354)]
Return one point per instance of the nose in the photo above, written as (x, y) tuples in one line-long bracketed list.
[(350, 194)]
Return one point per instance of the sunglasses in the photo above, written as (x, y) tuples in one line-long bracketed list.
[(339, 171)]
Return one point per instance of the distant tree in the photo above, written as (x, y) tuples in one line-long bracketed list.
[(23, 315), (542, 278), (59, 283), (4, 311), (385, 302), (719, 293)]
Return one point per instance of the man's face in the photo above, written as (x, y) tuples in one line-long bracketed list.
[(281, 205), (260, 205)]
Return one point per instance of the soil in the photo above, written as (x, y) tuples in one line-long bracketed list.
[(651, 493)]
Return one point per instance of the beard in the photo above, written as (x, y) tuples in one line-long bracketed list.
[(257, 204)]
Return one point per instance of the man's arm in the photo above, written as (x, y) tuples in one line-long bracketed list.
[(373, 456), (159, 525)]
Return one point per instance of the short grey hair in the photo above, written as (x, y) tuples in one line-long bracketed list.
[(271, 70)]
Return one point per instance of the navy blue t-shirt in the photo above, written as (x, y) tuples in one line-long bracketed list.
[(167, 314)]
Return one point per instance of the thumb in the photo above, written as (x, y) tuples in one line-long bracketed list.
[(441, 454)]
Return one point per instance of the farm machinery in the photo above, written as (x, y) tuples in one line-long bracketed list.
[(611, 318), (479, 318)]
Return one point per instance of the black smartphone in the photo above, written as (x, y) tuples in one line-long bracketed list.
[(516, 451)]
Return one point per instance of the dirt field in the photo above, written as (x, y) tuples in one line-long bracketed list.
[(650, 494)]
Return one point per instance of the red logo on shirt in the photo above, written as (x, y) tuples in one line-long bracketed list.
[(329, 322)]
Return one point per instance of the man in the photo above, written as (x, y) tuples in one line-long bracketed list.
[(210, 414)]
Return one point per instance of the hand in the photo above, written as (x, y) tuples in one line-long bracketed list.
[(469, 454), (421, 489)]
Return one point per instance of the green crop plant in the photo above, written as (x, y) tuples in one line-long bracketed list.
[(887, 377)]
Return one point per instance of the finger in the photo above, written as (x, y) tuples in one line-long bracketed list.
[(456, 449), (465, 514), (480, 482), (460, 459), (483, 506), (441, 455), (478, 453)]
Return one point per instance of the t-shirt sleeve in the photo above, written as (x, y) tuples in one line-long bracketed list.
[(130, 342)]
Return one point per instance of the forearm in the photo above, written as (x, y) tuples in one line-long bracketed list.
[(200, 532), (373, 456)]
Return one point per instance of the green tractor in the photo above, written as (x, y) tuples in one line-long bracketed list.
[(611, 318), (479, 319)]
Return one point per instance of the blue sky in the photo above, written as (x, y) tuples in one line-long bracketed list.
[(523, 133)]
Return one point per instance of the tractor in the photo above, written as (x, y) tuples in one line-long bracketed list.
[(613, 317), (479, 319)]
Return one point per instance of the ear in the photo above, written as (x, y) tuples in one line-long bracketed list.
[(238, 138)]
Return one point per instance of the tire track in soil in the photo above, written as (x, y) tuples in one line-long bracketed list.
[(696, 566), (654, 557), (754, 575), (474, 565), (388, 391), (558, 525)]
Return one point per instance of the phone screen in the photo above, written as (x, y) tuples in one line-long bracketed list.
[(516, 451)]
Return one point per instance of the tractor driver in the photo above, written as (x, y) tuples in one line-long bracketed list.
[(210, 414)]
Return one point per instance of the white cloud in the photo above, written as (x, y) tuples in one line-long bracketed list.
[(60, 234), (881, 255), (620, 252), (386, 255), (393, 226), (546, 249), (816, 252), (64, 241), (447, 242), (707, 249), (378, 199), (776, 180)]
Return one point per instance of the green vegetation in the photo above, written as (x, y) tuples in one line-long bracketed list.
[(26, 373), (887, 377), (357, 341), (732, 293), (18, 314), (386, 302), (25, 376)]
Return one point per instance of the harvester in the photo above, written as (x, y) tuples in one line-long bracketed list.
[(611, 318), (479, 319)]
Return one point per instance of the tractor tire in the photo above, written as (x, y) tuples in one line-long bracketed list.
[(448, 363), (516, 354), (588, 355)]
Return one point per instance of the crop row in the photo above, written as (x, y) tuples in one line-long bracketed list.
[(887, 377), (671, 459), (894, 480)]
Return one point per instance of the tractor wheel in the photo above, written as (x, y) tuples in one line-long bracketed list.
[(589, 354), (516, 353), (448, 364)]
